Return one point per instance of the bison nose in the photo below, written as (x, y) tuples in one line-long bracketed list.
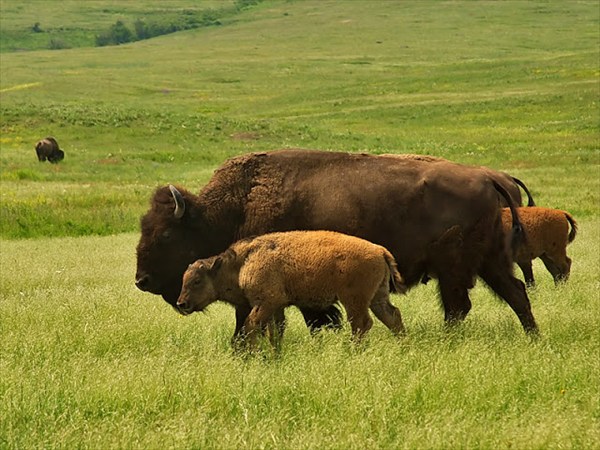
[(142, 282)]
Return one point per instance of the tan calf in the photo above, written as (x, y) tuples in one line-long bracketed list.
[(302, 268), (548, 235)]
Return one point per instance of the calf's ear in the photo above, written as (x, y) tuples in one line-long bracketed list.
[(216, 263)]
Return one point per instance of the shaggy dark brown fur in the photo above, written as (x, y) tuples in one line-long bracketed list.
[(437, 219)]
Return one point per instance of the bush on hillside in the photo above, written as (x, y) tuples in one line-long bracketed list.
[(116, 34), (119, 33)]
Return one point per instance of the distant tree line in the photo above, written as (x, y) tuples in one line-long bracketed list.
[(120, 33)]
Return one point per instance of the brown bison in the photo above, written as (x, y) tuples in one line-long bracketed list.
[(48, 149), (302, 268), (548, 235), (437, 219)]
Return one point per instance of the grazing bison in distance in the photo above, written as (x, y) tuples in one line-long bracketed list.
[(302, 268), (48, 149), (438, 219)]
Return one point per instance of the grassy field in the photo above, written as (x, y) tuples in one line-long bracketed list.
[(87, 361)]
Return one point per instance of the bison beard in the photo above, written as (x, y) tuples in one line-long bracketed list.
[(437, 218)]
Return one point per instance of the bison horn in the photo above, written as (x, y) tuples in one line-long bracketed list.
[(179, 202)]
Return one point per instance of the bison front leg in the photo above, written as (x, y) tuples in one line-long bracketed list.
[(359, 318), (455, 299), (256, 324), (241, 314)]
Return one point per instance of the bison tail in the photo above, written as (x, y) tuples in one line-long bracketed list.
[(518, 236), (530, 201), (397, 280), (573, 223)]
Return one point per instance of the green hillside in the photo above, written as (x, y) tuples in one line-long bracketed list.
[(512, 85), (40, 24)]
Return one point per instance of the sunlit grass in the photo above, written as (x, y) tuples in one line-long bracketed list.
[(89, 361)]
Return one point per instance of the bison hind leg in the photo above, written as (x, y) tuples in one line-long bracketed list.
[(560, 272), (387, 313), (512, 290), (356, 302), (360, 322)]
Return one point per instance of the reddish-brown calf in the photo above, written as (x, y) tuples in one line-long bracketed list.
[(547, 236), (302, 268)]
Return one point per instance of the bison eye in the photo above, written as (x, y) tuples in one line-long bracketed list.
[(166, 235)]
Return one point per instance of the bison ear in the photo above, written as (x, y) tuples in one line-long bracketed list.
[(216, 263), (179, 202)]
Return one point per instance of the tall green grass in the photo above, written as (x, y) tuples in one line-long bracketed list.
[(89, 362)]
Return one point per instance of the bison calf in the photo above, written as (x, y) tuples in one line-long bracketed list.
[(48, 149), (548, 235), (303, 268)]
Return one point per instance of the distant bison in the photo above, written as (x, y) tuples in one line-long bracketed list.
[(303, 268), (48, 149), (438, 219), (547, 236)]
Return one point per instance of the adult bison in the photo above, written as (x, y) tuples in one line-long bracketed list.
[(48, 149), (438, 219)]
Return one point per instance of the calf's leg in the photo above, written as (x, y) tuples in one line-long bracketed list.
[(257, 321), (560, 271), (359, 318), (527, 269), (241, 314), (386, 312)]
